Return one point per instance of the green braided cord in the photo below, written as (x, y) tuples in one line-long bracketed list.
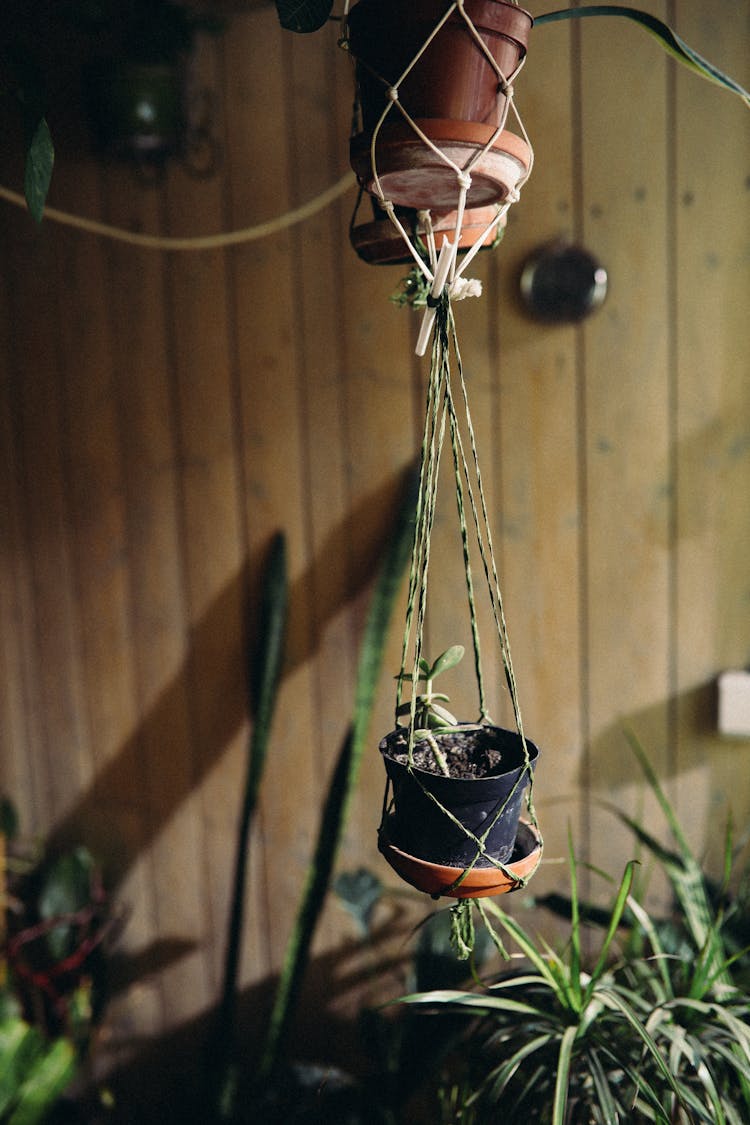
[(493, 583), (440, 403), (455, 440), (434, 424), (426, 467)]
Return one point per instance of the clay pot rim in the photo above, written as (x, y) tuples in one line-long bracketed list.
[(445, 129), (514, 24), (481, 882)]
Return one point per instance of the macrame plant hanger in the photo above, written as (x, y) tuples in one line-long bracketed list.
[(444, 412), (440, 268), (447, 412)]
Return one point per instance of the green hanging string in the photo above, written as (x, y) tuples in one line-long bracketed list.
[(442, 412)]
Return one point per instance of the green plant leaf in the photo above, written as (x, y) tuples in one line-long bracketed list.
[(603, 1089), (447, 660), (37, 175), (611, 997), (470, 1001), (8, 819), (575, 929), (614, 924), (387, 584), (667, 38), (33, 1074), (560, 988), (50, 1076), (498, 1079), (65, 889), (266, 661), (264, 676), (303, 15), (685, 874), (563, 1074)]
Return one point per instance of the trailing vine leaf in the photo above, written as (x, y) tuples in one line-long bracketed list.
[(666, 36), (40, 157), (303, 15)]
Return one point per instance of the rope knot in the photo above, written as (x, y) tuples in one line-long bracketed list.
[(505, 88), (464, 180), (392, 93)]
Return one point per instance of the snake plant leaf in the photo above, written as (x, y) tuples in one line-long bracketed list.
[(265, 672), (303, 15), (317, 879), (264, 675), (666, 36)]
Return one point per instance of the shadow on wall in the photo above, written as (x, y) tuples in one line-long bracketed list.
[(610, 761), (166, 1079), (184, 734)]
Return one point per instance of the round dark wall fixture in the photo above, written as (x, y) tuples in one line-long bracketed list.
[(562, 284)]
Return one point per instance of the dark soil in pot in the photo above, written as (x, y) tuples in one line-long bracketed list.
[(488, 776)]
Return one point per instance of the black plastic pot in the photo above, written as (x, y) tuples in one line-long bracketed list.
[(422, 829)]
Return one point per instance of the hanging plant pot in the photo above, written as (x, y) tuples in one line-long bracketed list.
[(481, 882), (452, 94), (488, 776), (379, 242)]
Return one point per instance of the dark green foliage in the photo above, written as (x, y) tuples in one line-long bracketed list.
[(303, 15)]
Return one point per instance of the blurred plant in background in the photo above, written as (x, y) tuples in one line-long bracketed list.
[(54, 927)]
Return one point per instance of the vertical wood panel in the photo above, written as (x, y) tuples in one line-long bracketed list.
[(626, 403), (713, 414), (538, 463)]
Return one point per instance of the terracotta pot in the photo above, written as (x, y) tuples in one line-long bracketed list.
[(481, 882), (452, 92), (379, 243), (453, 78), (421, 828)]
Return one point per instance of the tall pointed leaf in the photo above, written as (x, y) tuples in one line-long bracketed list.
[(564, 1058), (264, 675), (664, 34), (614, 923), (387, 584)]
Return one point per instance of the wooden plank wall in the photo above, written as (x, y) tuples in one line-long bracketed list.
[(162, 415)]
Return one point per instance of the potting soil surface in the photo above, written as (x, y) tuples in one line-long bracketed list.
[(468, 755)]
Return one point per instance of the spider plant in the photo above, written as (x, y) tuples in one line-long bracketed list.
[(656, 1027), (559, 1043)]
